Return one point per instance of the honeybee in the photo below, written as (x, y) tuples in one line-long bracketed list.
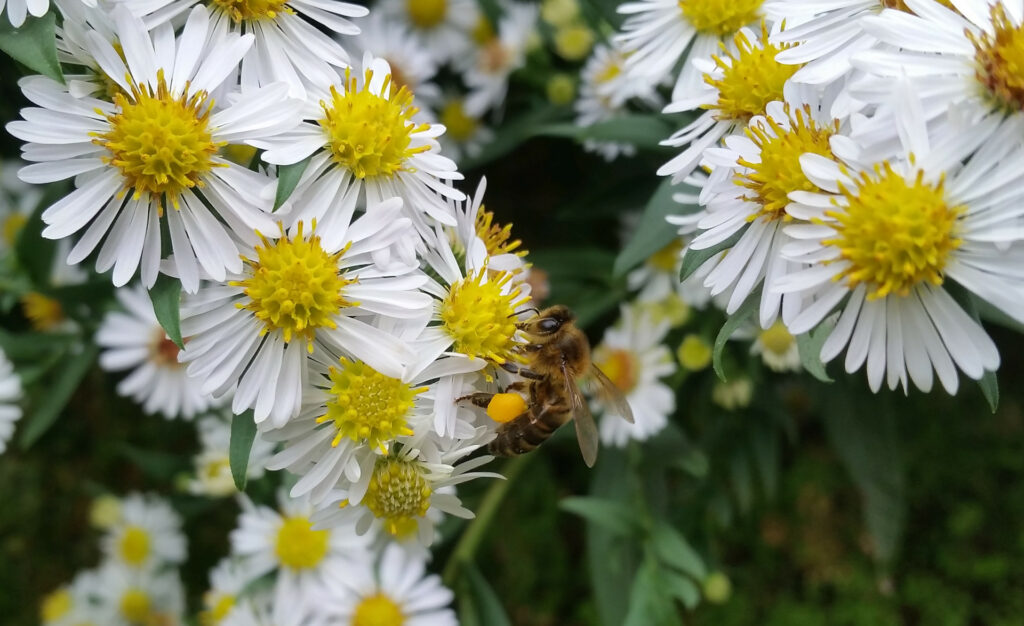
[(557, 356)]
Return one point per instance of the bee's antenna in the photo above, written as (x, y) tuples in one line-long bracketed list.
[(518, 313)]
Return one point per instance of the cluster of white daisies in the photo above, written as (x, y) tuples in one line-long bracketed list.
[(857, 165)]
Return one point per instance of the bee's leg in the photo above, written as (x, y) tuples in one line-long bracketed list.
[(480, 399), (512, 368)]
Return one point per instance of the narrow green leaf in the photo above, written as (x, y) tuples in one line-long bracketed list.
[(49, 404), (615, 517), (243, 433), (642, 131), (809, 345), (154, 463), (33, 346), (612, 560), (682, 588), (288, 177), (489, 609), (166, 298), (648, 602), (693, 259), (652, 233), (694, 462), (673, 550), (735, 320), (990, 388), (34, 45)]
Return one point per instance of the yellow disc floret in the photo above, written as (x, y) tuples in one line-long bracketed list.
[(480, 316), (160, 142), (1000, 60), (378, 610), (295, 286), (777, 339), (43, 312), (720, 17), (426, 13), (751, 77), (620, 366), (505, 407), (55, 605), (12, 225), (367, 405), (135, 606), (694, 353), (894, 233), (458, 125), (217, 608), (298, 546), (398, 494), (367, 134), (497, 238), (252, 10), (778, 173), (134, 545)]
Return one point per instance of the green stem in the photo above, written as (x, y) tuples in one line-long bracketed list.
[(465, 549)]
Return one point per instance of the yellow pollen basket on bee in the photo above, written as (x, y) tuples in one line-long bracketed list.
[(751, 77), (161, 143), (779, 172), (367, 405), (367, 134), (894, 233), (505, 407), (720, 17), (252, 10), (295, 286)]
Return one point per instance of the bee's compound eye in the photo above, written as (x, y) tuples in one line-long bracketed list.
[(549, 324)]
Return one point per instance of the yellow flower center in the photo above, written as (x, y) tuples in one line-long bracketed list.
[(426, 13), (163, 351), (777, 339), (367, 134), (894, 233), (367, 405), (574, 41), (251, 10), (219, 467), (1000, 60), (779, 171), (750, 79), (55, 605), (43, 313), (105, 511), (619, 365), (298, 545), (398, 494), (239, 153), (295, 287), (609, 71), (134, 545), (482, 31), (135, 606), (667, 259), (496, 237), (480, 318), (378, 610), (217, 608), (459, 126), (160, 143), (720, 17), (694, 353), (900, 5), (13, 224)]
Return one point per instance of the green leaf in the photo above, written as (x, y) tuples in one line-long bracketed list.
[(673, 550), (49, 404), (615, 517), (652, 233), (809, 345), (34, 45), (693, 259), (682, 588), (154, 463), (33, 346), (735, 320), (288, 177), (510, 134), (642, 131), (243, 433), (611, 559), (166, 297), (484, 601), (648, 602), (990, 388)]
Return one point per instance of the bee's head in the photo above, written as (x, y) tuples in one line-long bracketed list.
[(549, 321)]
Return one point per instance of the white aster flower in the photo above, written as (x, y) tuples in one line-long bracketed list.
[(131, 596), (212, 464), (412, 65), (656, 34), (366, 149), (633, 357), (147, 534), (393, 589), (17, 201), (886, 237), (10, 395), (290, 45), (285, 542), (443, 26), (18, 10), (736, 84), (72, 605), (777, 347), (149, 153), (223, 602), (487, 70), (133, 340), (258, 330)]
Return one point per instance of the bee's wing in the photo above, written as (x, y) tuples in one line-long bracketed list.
[(611, 395), (586, 429)]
